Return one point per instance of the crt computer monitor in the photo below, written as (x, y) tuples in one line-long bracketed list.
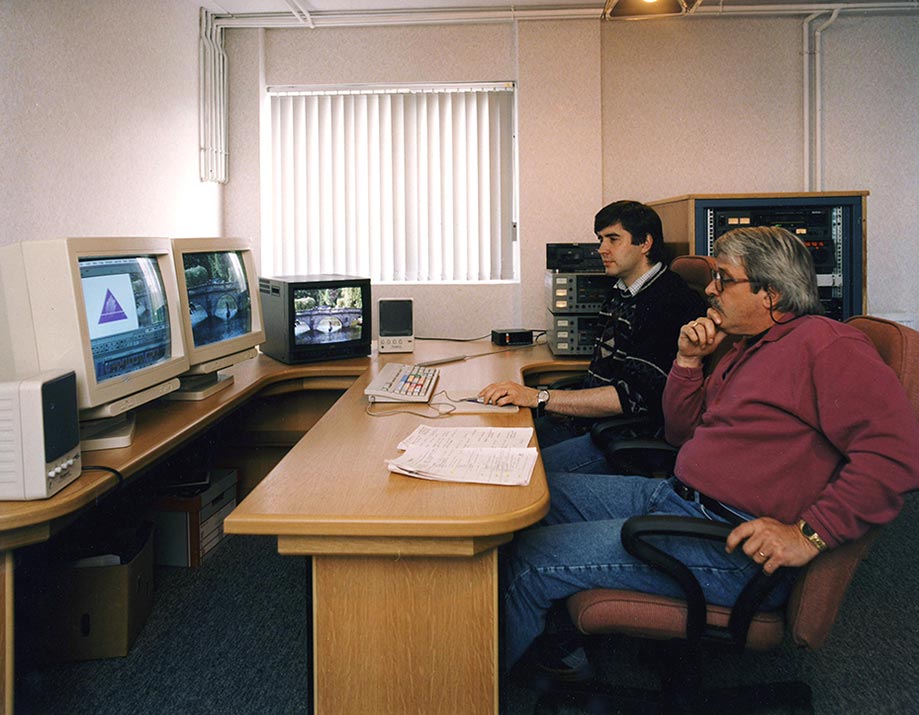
[(106, 308), (221, 313)]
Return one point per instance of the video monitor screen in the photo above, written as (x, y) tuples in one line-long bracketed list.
[(327, 315), (127, 315), (218, 296)]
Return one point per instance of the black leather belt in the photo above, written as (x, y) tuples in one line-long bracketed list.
[(684, 491)]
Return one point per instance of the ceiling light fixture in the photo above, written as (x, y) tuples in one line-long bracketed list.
[(641, 9)]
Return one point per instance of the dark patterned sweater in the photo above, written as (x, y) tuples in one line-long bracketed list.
[(637, 343)]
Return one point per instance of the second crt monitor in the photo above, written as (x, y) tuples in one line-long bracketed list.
[(221, 314)]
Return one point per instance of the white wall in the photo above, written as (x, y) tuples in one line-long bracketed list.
[(98, 133), (872, 139), (560, 146), (702, 106), (99, 126), (643, 110), (715, 105)]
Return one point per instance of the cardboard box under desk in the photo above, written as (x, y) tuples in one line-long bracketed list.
[(189, 527), (95, 611)]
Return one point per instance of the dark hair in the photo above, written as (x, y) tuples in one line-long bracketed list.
[(774, 258), (639, 220)]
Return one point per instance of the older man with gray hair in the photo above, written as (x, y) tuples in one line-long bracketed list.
[(802, 438)]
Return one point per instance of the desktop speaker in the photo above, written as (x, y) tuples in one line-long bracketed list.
[(39, 435), (397, 334)]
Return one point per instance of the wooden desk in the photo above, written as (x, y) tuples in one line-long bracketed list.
[(450, 531), (162, 428), (405, 577)]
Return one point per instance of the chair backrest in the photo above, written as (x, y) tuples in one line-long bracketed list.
[(899, 348), (819, 590), (695, 270)]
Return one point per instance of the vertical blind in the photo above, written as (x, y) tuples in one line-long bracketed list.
[(398, 184)]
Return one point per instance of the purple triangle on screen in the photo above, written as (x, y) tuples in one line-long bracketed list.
[(111, 309)]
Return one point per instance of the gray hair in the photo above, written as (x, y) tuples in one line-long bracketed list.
[(774, 258)]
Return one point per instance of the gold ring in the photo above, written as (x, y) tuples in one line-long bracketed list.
[(762, 554), (694, 323)]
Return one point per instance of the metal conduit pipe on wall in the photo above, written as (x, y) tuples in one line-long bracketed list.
[(212, 109), (806, 103), (818, 102)]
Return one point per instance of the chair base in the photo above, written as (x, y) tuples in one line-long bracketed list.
[(793, 698)]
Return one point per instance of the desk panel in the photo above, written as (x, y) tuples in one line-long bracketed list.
[(415, 635)]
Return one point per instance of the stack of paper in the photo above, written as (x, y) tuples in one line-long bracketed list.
[(483, 455)]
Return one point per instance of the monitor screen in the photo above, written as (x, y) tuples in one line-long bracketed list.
[(219, 302), (126, 314), (328, 315)]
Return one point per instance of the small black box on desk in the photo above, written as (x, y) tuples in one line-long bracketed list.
[(189, 518), (512, 336)]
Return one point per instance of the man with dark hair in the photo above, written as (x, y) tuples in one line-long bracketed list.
[(641, 318), (802, 439)]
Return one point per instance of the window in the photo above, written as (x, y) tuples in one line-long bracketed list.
[(399, 184)]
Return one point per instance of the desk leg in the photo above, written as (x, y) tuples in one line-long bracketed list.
[(6, 630), (405, 635)]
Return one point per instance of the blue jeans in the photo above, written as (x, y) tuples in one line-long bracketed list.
[(577, 547), (574, 455), (551, 429)]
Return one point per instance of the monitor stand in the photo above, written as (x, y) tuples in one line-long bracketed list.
[(107, 432), (199, 387)]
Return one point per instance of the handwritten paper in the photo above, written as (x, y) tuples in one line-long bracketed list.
[(480, 455), (457, 437)]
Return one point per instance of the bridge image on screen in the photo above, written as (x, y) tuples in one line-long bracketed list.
[(328, 315), (218, 296)]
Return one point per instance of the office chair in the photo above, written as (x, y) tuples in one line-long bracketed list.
[(687, 625), (652, 457)]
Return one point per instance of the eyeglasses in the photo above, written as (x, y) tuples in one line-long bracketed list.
[(721, 281)]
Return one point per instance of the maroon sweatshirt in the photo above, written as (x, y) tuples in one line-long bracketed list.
[(807, 422)]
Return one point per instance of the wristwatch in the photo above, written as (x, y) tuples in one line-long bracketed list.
[(542, 398), (811, 535)]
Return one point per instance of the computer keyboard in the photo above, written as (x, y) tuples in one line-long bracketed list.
[(397, 382)]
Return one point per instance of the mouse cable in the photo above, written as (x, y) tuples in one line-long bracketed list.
[(110, 470), (402, 411)]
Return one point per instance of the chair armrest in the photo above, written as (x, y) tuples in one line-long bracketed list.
[(635, 533), (648, 444), (646, 456), (572, 382), (604, 431)]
